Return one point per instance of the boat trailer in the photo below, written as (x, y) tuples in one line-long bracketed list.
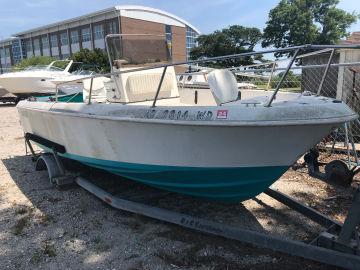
[(337, 245)]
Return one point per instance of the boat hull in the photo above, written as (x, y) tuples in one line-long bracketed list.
[(22, 86), (222, 184), (227, 163)]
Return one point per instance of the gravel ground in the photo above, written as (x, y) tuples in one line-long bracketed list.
[(45, 228)]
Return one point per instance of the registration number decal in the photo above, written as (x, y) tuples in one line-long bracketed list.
[(222, 114)]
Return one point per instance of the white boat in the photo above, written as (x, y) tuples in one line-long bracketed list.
[(39, 80), (198, 79), (219, 145)]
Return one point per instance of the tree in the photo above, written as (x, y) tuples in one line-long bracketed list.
[(95, 58), (296, 22), (292, 80), (232, 40), (33, 61)]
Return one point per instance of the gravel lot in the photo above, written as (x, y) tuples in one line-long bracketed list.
[(45, 228)]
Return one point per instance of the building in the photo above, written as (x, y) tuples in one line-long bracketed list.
[(62, 39), (341, 82)]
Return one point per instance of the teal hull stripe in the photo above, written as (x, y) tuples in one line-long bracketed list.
[(224, 184)]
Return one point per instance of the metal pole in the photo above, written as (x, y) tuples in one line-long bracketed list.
[(283, 78), (353, 147), (159, 87), (90, 92), (325, 72), (108, 53), (56, 93), (270, 78), (347, 144), (334, 142)]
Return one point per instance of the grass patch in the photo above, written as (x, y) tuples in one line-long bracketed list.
[(48, 249), (45, 219), (36, 257), (22, 209), (20, 225)]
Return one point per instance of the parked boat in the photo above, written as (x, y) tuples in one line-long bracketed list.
[(198, 79), (222, 146), (41, 80)]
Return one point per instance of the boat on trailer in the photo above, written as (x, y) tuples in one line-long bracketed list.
[(213, 143)]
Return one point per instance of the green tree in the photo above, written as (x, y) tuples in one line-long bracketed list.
[(95, 58), (232, 40), (296, 22), (292, 80), (33, 61)]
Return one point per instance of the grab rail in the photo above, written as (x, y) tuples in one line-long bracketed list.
[(296, 55)]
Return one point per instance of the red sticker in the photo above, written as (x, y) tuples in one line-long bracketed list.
[(222, 114)]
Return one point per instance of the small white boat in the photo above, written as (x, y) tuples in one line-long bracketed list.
[(40, 80)]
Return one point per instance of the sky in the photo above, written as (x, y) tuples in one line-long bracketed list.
[(206, 15)]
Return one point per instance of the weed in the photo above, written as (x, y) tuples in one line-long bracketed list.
[(48, 249), (20, 225)]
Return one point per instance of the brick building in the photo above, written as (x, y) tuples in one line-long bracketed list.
[(62, 39)]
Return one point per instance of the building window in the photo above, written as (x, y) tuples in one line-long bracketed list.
[(36, 44), (3, 53), (168, 33), (191, 42), (28, 46), (54, 41), (4, 59), (85, 34), (74, 36), (64, 39), (16, 50), (98, 32), (65, 56), (45, 42), (168, 36), (112, 27)]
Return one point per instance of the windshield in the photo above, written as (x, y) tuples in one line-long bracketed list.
[(138, 50), (83, 72), (43, 67)]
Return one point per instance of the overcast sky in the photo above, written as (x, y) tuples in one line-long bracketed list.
[(206, 15)]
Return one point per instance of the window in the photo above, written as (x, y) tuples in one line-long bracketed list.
[(65, 56), (36, 44), (45, 42), (168, 35), (28, 46), (191, 42), (54, 41), (98, 32), (112, 27), (2, 53), (16, 50), (64, 39), (74, 36), (85, 34)]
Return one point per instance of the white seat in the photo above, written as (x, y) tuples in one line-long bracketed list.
[(98, 93), (142, 85), (223, 85)]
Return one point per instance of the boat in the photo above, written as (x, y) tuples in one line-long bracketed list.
[(42, 80), (196, 77), (220, 146)]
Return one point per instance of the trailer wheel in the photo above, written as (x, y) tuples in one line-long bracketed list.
[(338, 172)]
